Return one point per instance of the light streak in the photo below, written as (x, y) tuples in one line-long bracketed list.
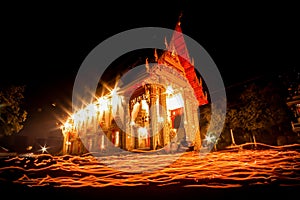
[(221, 169)]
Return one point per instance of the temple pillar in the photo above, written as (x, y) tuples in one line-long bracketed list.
[(108, 122), (164, 114), (65, 143), (196, 118), (121, 126), (127, 127), (196, 128), (189, 122), (123, 136), (153, 116), (187, 112)]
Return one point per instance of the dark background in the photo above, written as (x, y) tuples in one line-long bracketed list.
[(43, 45)]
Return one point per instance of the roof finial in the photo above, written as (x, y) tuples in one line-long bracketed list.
[(179, 18)]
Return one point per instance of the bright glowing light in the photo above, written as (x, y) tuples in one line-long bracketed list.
[(143, 132), (44, 149), (113, 92), (115, 98), (91, 108), (29, 148), (145, 106), (210, 138), (102, 143), (169, 90), (175, 101), (160, 119), (103, 104), (117, 138), (67, 125)]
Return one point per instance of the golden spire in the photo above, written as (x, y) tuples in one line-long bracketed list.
[(179, 18)]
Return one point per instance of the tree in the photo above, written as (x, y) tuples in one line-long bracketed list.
[(277, 110), (251, 115), (262, 108), (12, 114), (232, 122)]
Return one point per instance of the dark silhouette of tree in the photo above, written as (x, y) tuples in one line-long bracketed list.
[(232, 122), (262, 108), (12, 114), (276, 110), (252, 115)]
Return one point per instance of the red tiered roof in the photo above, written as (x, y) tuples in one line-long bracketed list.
[(177, 42)]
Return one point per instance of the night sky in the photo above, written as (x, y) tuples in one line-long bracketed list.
[(44, 45)]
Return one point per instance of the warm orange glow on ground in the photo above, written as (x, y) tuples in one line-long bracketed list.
[(223, 169)]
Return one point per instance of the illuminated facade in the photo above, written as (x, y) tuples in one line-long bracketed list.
[(156, 109)]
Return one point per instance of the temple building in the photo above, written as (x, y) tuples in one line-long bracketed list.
[(156, 109), (293, 100)]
